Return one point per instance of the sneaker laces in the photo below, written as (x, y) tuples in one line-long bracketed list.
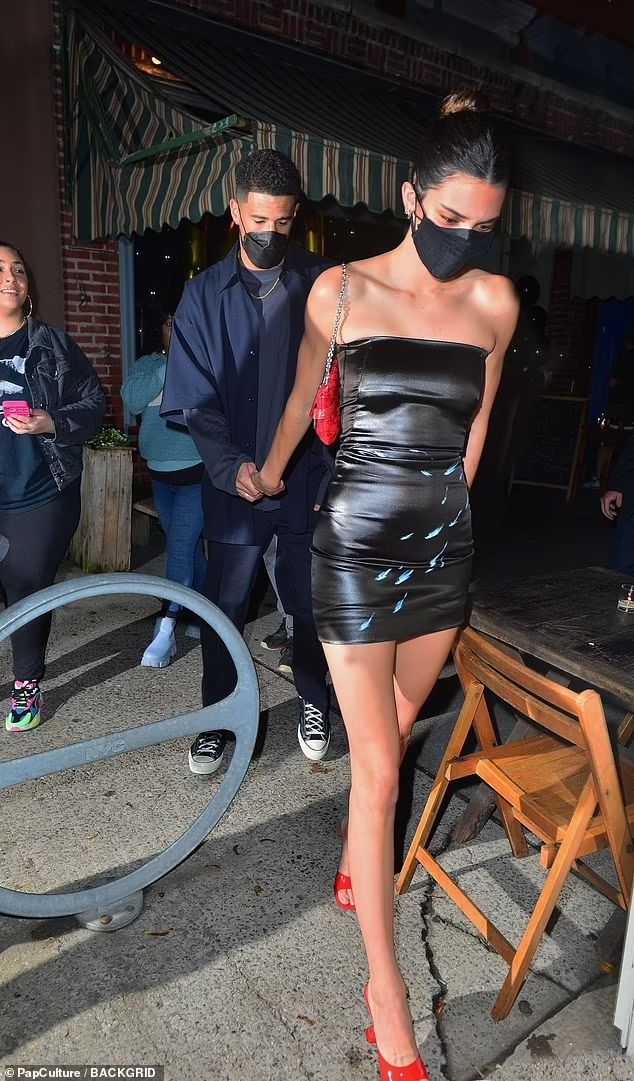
[(209, 743), (22, 697), (313, 722)]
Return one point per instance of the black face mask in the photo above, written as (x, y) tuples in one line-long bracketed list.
[(445, 251), (265, 250)]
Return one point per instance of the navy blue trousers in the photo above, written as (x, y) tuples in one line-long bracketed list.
[(231, 573)]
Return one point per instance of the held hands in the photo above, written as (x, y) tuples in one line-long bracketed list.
[(251, 486), (39, 423), (265, 487), (244, 483), (611, 503)]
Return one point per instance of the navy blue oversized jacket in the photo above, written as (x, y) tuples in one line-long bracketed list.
[(212, 377)]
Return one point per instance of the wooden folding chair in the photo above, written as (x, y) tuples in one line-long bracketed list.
[(561, 784)]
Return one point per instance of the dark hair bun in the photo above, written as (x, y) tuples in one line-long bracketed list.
[(467, 101)]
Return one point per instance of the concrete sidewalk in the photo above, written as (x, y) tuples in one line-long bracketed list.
[(240, 965)]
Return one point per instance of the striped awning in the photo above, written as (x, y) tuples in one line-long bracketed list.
[(118, 115), (114, 115), (545, 220), (349, 173), (140, 161)]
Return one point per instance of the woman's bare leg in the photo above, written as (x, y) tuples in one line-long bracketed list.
[(419, 662), (364, 681)]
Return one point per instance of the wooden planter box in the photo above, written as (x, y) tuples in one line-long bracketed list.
[(102, 540)]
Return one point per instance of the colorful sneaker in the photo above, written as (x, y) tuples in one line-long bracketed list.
[(26, 706)]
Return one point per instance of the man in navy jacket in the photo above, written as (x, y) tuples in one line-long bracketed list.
[(231, 368), (618, 500)]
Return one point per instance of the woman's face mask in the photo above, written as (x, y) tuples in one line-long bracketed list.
[(445, 251)]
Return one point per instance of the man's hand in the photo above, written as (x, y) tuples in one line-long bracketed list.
[(265, 487), (39, 423), (244, 484), (611, 503)]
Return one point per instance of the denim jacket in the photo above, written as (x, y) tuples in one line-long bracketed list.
[(62, 381)]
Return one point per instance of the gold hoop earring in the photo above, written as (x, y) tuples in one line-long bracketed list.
[(30, 312)]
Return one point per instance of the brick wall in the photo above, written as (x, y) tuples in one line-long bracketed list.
[(90, 275), (338, 34)]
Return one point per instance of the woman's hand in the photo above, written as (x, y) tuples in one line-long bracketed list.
[(265, 486), (39, 423)]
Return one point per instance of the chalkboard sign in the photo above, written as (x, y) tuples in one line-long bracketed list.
[(551, 443)]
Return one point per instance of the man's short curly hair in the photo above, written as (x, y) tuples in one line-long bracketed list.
[(268, 172)]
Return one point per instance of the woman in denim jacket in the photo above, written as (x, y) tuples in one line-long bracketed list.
[(40, 466)]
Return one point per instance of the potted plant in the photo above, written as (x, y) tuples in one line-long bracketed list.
[(102, 540)]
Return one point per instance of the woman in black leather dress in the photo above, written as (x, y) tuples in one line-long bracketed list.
[(421, 344)]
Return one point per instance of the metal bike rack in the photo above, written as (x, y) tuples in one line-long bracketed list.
[(113, 904)]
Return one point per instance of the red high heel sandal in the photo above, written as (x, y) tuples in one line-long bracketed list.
[(414, 1071), (343, 882)]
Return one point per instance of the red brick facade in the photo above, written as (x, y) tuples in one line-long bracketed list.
[(378, 49), (91, 277), (91, 271)]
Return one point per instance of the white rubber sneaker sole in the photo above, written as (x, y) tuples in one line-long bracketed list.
[(313, 753), (205, 768), (161, 661)]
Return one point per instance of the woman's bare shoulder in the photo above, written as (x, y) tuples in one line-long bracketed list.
[(496, 293)]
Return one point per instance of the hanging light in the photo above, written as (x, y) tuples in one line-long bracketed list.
[(155, 60)]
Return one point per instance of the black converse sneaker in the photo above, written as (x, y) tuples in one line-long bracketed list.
[(313, 731), (206, 752), (277, 640), (285, 663)]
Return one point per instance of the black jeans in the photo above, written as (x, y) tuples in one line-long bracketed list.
[(231, 573), (38, 540)]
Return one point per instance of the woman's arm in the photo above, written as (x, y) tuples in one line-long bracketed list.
[(144, 383), (311, 365), (502, 301), (83, 403)]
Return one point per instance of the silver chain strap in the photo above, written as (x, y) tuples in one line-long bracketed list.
[(335, 330)]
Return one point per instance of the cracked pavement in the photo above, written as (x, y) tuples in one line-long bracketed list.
[(240, 965)]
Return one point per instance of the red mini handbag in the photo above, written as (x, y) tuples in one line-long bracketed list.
[(326, 411)]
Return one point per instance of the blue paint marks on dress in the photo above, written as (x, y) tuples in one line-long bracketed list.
[(366, 625), (452, 469), (403, 577), (383, 575), (435, 532), (426, 473), (445, 497), (408, 536), (459, 514), (437, 562), (399, 604)]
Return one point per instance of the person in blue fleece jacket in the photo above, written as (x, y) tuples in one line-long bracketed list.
[(176, 472)]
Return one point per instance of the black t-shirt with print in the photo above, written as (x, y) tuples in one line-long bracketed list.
[(27, 480)]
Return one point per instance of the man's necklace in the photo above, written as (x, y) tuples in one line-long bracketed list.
[(263, 296), (11, 332)]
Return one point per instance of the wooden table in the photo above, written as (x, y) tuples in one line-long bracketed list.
[(569, 622)]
